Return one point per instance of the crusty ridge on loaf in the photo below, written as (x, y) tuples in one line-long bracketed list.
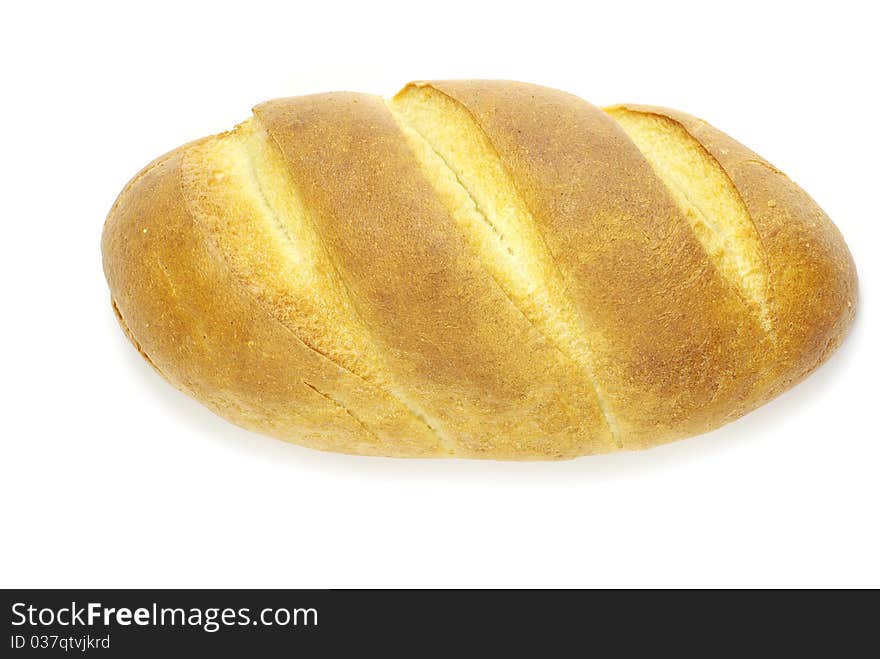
[(708, 198), (237, 185), (472, 268), (811, 277), (454, 339), (473, 184)]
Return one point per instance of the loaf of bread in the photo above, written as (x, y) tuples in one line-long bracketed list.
[(478, 269)]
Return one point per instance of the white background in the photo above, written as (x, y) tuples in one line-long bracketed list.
[(110, 477)]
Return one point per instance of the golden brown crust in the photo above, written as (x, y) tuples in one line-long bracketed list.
[(678, 351), (812, 275), (199, 328), (490, 383), (447, 362)]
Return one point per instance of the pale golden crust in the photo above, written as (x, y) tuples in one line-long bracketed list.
[(451, 365)]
